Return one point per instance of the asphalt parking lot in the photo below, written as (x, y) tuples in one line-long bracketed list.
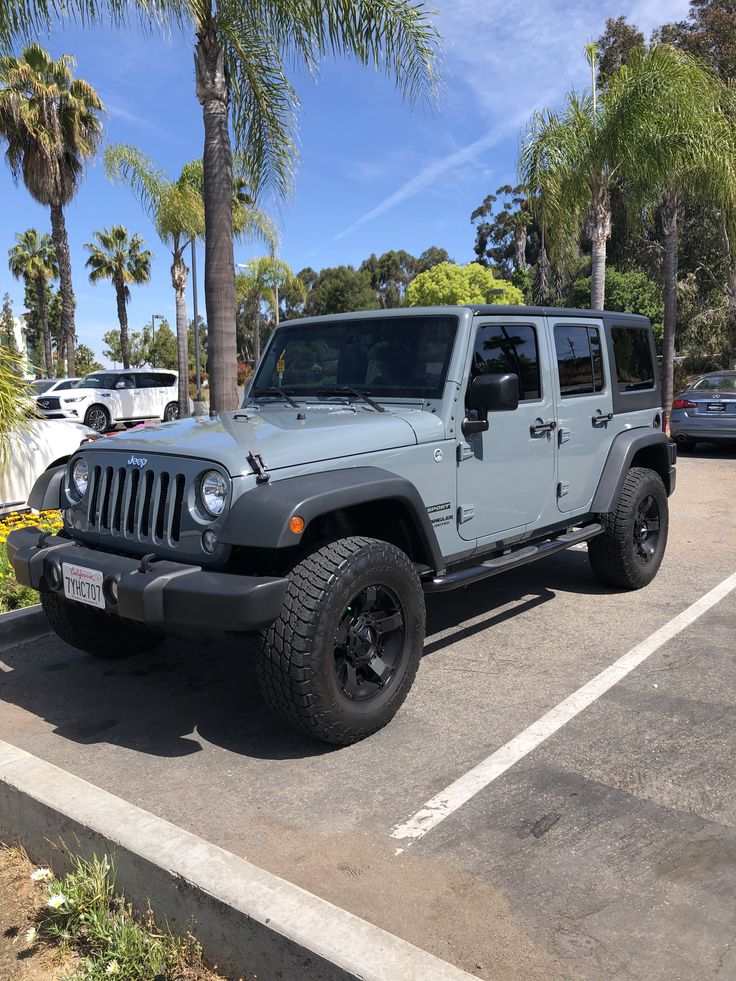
[(608, 851)]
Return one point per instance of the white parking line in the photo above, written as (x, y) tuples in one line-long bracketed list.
[(467, 786)]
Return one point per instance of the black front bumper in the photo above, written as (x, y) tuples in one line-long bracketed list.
[(166, 595)]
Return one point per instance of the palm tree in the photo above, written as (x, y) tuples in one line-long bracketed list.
[(684, 147), (33, 259), (241, 53), (122, 260), (260, 282), (51, 123), (177, 210)]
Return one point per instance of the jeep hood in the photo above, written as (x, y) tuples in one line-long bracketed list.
[(276, 433)]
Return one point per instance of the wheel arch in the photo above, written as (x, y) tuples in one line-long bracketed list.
[(357, 501), (634, 448)]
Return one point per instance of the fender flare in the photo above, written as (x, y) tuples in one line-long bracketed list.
[(46, 494), (623, 449), (260, 517)]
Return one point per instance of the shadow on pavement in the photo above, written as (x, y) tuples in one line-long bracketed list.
[(164, 702)]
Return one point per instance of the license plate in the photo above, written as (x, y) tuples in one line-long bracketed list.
[(83, 585), (716, 407)]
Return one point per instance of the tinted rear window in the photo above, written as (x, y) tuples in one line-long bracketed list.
[(633, 353), (579, 360)]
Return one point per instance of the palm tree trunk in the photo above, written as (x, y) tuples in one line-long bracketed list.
[(179, 273), (43, 315), (599, 230), (520, 236), (219, 267), (61, 245), (671, 213), (122, 320), (730, 261)]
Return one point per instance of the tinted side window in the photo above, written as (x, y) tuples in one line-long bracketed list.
[(165, 380), (127, 380), (579, 359), (633, 353), (501, 348), (148, 381)]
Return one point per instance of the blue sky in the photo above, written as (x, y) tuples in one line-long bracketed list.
[(374, 173)]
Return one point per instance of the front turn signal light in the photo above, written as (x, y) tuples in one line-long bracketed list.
[(296, 525)]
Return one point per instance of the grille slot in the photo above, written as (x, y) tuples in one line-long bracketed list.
[(139, 505)]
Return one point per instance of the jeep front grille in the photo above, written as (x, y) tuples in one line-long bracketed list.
[(137, 505)]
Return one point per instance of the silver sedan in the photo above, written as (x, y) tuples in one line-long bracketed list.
[(706, 412)]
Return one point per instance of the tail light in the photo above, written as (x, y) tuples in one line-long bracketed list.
[(684, 404)]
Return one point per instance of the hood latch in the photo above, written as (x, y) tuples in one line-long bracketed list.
[(259, 468)]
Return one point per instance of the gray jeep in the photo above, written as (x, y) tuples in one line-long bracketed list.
[(377, 457)]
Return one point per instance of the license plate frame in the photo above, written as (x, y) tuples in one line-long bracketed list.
[(83, 585), (717, 408)]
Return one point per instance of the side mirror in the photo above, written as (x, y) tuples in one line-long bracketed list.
[(120, 384), (490, 393)]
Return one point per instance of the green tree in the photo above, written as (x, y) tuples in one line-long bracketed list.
[(390, 274), (708, 33), (164, 352), (51, 122), (340, 289), (7, 325), (138, 347), (615, 45), (448, 283), (177, 210), (122, 259), (502, 238), (33, 258), (684, 148), (630, 291), (258, 283), (85, 361)]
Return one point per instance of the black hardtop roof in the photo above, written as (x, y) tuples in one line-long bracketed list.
[(501, 310)]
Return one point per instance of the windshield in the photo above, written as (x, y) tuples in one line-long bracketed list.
[(98, 380), (713, 383), (383, 357), (43, 385)]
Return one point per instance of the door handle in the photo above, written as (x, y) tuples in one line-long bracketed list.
[(541, 428), (601, 418)]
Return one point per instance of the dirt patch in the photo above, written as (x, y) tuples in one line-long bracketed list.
[(19, 900)]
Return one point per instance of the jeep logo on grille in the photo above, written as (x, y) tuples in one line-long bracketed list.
[(137, 461)]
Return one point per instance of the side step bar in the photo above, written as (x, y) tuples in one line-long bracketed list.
[(522, 556)]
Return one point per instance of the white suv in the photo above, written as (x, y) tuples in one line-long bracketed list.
[(105, 398)]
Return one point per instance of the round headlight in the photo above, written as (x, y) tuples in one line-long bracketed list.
[(214, 492), (80, 476)]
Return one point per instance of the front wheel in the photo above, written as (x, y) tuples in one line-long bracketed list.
[(95, 632), (630, 551), (171, 412), (97, 418), (342, 656)]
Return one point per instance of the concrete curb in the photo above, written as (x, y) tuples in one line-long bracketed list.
[(19, 626), (252, 922)]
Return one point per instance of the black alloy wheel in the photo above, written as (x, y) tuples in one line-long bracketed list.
[(369, 643), (646, 528)]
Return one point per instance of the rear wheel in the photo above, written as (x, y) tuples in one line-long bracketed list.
[(171, 412), (94, 631), (342, 656), (630, 551), (98, 418)]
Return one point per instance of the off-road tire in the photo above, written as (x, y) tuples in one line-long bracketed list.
[(94, 631), (297, 669), (91, 416), (614, 555)]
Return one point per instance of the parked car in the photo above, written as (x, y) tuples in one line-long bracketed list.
[(32, 451), (706, 411), (47, 386), (377, 457), (106, 398)]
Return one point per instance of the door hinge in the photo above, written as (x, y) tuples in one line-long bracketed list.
[(464, 452), (465, 512), (563, 436), (563, 487)]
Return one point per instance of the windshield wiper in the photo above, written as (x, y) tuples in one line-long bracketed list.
[(356, 393), (274, 390)]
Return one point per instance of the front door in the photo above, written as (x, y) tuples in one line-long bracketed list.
[(506, 475), (585, 420)]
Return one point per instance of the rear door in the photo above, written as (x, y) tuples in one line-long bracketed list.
[(147, 395), (585, 412), (506, 475)]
